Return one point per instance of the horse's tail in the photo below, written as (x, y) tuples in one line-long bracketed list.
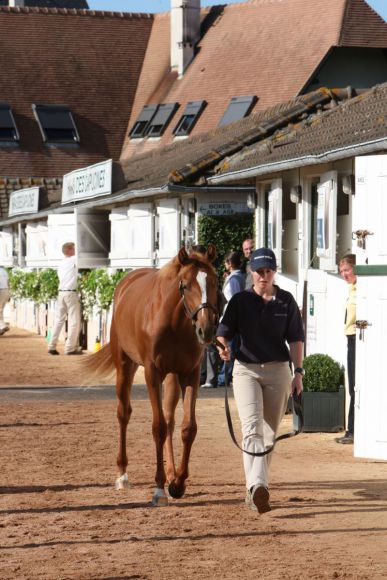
[(101, 363)]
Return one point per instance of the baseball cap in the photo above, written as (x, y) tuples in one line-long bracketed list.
[(263, 258)]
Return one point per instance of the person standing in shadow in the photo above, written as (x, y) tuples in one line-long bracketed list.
[(248, 248), (234, 283)]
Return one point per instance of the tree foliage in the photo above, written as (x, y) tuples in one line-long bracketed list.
[(226, 233)]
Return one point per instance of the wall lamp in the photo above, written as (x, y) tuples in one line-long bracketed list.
[(296, 194), (349, 184), (251, 200), (192, 205)]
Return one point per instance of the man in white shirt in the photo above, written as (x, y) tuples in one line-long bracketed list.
[(4, 297), (68, 305)]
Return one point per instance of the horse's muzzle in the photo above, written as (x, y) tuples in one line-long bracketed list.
[(205, 335)]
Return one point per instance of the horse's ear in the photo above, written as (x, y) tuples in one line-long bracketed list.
[(183, 256), (211, 253)]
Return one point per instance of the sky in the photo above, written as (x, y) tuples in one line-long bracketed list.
[(163, 5)]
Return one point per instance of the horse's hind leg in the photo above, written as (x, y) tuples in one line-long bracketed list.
[(171, 399), (188, 433), (126, 369)]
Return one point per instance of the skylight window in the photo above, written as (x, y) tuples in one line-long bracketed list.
[(56, 123), (187, 121), (8, 130), (141, 125), (161, 119), (238, 108)]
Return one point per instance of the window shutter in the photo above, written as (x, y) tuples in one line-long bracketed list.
[(327, 221), (161, 119), (238, 108), (275, 220), (168, 224), (141, 125)]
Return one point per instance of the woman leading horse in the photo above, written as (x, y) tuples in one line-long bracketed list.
[(162, 320)]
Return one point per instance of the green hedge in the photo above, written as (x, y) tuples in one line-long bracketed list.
[(38, 286), (226, 233), (96, 287)]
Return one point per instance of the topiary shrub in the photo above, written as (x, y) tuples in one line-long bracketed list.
[(322, 373)]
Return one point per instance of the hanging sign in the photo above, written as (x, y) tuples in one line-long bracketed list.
[(88, 182), (24, 201), (223, 208)]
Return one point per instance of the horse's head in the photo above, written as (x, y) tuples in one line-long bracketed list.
[(198, 286)]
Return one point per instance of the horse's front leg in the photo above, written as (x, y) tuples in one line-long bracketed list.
[(188, 432), (171, 399), (126, 369), (159, 430)]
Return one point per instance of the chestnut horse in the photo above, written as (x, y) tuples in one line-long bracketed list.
[(162, 320)]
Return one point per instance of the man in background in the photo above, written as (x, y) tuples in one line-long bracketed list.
[(4, 297), (248, 248), (68, 305)]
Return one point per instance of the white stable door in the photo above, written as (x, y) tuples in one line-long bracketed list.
[(370, 211)]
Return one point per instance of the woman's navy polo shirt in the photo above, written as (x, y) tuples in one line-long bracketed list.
[(263, 328)]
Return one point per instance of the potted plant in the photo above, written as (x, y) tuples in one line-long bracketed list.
[(324, 394)]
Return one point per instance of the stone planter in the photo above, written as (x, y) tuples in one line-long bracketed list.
[(323, 411)]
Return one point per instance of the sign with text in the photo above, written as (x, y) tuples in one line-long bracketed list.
[(88, 182), (223, 208), (24, 201)]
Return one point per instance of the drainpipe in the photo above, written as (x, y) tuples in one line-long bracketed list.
[(185, 32)]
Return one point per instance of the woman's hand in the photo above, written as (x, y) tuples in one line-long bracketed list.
[(225, 352), (297, 386)]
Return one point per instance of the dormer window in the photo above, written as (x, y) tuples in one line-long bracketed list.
[(238, 108), (8, 130), (56, 123), (187, 121), (141, 125), (161, 119)]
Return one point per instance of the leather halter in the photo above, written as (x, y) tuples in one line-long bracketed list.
[(194, 315)]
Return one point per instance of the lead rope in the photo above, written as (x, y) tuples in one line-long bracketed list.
[(297, 409)]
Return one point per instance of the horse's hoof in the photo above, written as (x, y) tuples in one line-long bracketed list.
[(122, 482), (159, 499), (176, 492)]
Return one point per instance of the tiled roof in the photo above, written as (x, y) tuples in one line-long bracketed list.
[(89, 61), (359, 121), (78, 4), (267, 48), (307, 129), (156, 168)]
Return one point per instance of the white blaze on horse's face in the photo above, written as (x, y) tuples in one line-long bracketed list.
[(202, 281)]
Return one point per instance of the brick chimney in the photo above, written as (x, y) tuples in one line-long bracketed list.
[(185, 32)]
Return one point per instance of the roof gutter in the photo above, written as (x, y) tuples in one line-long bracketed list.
[(333, 155), (173, 188), (92, 204), (116, 199)]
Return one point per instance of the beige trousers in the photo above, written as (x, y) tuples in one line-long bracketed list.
[(67, 306), (4, 297), (261, 394)]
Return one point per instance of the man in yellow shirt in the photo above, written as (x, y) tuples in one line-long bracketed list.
[(346, 266)]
